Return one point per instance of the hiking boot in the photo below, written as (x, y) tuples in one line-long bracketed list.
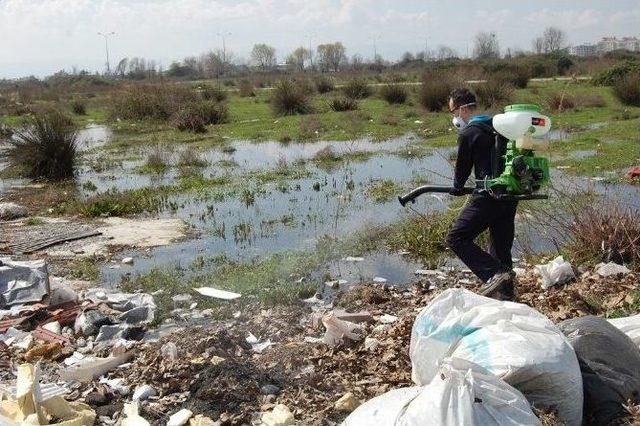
[(507, 292), (496, 285)]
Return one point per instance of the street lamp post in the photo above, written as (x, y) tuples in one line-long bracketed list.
[(106, 48)]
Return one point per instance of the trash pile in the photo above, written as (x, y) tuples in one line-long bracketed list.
[(434, 353)]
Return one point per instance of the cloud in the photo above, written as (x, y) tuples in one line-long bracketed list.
[(566, 19)]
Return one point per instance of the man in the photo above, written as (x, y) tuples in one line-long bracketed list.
[(476, 149)]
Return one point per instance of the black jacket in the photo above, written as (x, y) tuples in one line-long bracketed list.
[(476, 149)]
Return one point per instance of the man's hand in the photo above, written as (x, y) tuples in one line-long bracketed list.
[(456, 191)]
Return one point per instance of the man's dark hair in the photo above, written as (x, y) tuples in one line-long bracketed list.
[(462, 96)]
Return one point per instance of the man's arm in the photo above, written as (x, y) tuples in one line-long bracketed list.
[(464, 162)]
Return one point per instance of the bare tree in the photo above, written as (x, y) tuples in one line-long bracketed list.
[(331, 56), (554, 39), (264, 56), (486, 46), (445, 52), (212, 63), (298, 58), (121, 68), (538, 45), (357, 63)]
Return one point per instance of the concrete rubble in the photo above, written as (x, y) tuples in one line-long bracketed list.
[(120, 358)]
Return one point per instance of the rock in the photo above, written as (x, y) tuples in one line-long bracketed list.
[(180, 418), (182, 301), (96, 399), (89, 322), (347, 403), (280, 416), (108, 410), (143, 392), (169, 351), (9, 211), (201, 420), (381, 328), (127, 261), (269, 389), (53, 327), (370, 343), (609, 269)]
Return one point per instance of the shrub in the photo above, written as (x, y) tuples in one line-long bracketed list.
[(189, 157), (326, 155), (590, 100), (627, 89), (245, 89), (289, 99), (150, 102), (306, 86), (340, 104), (493, 93), (157, 161), (309, 127), (324, 84), (394, 93), (196, 116), (210, 93), (558, 102), (357, 88), (45, 148), (78, 107), (516, 77), (434, 92), (615, 73)]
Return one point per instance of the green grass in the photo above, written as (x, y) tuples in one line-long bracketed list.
[(382, 190)]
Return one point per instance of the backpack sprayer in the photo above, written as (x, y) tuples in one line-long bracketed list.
[(518, 174)]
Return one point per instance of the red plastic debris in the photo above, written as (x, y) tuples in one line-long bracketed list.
[(49, 336), (634, 172)]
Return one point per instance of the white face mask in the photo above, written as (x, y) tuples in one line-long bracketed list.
[(458, 123)]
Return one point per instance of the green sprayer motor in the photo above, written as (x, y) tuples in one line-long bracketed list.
[(518, 173)]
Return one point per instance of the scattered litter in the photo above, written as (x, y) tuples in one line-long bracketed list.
[(22, 282), (46, 351), (169, 351), (347, 403), (371, 343), (53, 327), (558, 271), (218, 294), (629, 326), (379, 280), (356, 317), (117, 385), (633, 172), (127, 261), (180, 418), (388, 319), (611, 268), (92, 367), (131, 416), (280, 416), (338, 330), (335, 283), (353, 259), (143, 392)]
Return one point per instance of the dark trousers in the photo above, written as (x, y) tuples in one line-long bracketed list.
[(479, 214)]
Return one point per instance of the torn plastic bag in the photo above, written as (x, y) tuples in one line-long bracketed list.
[(136, 307), (338, 330), (23, 281), (90, 368), (610, 365), (460, 394), (558, 271), (510, 340), (629, 326)]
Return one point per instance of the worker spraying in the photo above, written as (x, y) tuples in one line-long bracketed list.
[(500, 152)]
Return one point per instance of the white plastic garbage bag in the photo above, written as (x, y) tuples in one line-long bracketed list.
[(558, 271), (510, 340), (611, 268), (456, 396), (629, 326)]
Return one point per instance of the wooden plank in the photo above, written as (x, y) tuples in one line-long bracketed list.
[(27, 247)]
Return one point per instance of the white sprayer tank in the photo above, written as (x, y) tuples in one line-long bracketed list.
[(524, 124)]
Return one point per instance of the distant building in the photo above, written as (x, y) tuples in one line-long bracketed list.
[(607, 44), (584, 50)]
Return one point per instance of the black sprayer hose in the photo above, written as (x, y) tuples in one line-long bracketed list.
[(412, 195)]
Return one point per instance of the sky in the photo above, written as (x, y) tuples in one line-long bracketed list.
[(40, 37)]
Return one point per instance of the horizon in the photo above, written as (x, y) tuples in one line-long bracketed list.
[(55, 35)]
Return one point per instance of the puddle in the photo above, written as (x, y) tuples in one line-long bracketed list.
[(94, 136)]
